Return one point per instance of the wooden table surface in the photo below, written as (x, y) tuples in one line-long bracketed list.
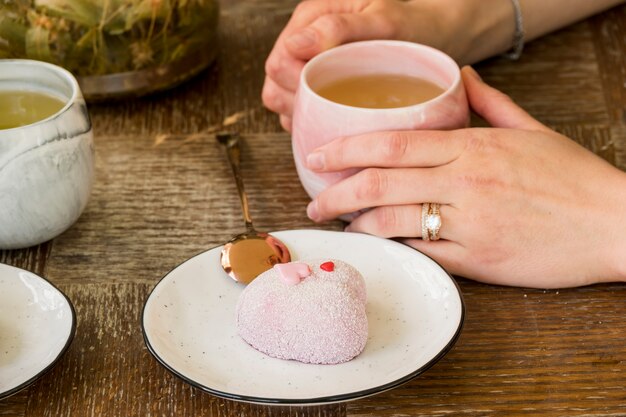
[(164, 193)]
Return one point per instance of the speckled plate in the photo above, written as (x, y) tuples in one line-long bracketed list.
[(37, 324), (414, 307)]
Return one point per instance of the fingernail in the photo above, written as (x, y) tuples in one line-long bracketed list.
[(303, 39), (472, 72), (315, 161), (311, 211)]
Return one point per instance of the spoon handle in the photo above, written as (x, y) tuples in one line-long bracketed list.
[(231, 143)]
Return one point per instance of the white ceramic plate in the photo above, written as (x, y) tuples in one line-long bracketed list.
[(414, 308), (37, 325)]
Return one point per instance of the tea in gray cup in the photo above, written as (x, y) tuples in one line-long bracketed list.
[(46, 152)]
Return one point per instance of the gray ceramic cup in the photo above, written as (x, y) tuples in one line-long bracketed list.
[(46, 168)]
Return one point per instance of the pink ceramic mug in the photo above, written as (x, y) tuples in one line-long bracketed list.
[(317, 121)]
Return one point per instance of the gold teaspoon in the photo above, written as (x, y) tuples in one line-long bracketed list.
[(251, 253)]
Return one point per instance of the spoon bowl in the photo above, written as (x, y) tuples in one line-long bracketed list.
[(250, 253)]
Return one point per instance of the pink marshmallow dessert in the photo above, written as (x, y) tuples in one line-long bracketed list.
[(308, 311)]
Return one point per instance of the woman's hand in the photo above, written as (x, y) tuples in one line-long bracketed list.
[(318, 25), (520, 204)]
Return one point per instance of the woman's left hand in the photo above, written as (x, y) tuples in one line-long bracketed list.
[(520, 204)]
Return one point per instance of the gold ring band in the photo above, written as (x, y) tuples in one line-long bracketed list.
[(425, 210)]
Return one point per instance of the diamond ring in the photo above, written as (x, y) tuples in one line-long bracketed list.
[(431, 221)]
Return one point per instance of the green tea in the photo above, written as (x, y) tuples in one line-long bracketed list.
[(380, 91), (20, 108)]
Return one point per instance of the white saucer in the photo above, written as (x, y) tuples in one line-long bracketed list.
[(415, 312), (37, 324)]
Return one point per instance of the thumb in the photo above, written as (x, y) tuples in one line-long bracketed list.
[(331, 30), (498, 109)]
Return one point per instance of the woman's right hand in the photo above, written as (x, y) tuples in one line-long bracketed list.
[(318, 25), (520, 204)]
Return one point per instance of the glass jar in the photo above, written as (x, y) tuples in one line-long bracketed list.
[(116, 48)]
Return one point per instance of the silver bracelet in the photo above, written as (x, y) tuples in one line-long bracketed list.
[(518, 38)]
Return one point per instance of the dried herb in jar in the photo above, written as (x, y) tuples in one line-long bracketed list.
[(99, 37)]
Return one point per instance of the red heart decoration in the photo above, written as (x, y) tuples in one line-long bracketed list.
[(328, 266)]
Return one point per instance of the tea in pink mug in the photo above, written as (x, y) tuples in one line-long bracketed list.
[(372, 86)]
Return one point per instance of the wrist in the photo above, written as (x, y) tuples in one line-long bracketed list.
[(479, 28), (438, 23)]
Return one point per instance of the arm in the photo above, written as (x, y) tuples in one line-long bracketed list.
[(491, 24)]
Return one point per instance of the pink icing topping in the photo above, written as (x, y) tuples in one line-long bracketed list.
[(293, 272)]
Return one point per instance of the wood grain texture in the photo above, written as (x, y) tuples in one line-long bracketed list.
[(32, 259), (15, 406), (556, 80), (164, 193), (608, 33), (524, 352), (175, 199)]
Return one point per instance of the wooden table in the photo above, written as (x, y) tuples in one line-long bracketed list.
[(164, 193)]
